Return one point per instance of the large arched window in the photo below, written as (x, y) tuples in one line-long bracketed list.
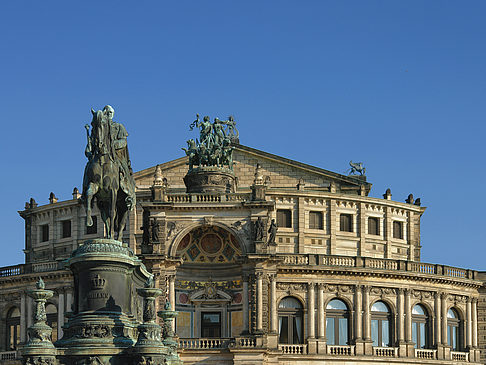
[(13, 328), (420, 327), (290, 316), (453, 330), (51, 312), (381, 321), (337, 323)]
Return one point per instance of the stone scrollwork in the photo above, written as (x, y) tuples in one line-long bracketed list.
[(422, 295), (94, 330)]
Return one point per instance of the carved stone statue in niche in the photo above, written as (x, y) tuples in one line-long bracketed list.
[(154, 228), (259, 229), (272, 232)]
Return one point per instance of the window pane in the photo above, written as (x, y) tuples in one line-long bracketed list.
[(397, 230), (283, 323), (315, 220), (297, 330), (337, 304), (422, 335), (373, 226), (346, 223), (284, 218), (451, 313), (418, 309), (290, 302), (454, 338), (379, 307), (385, 333), (415, 334), (330, 331), (374, 331), (343, 331)]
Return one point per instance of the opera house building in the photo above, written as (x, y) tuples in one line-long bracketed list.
[(267, 261)]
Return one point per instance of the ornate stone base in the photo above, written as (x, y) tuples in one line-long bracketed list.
[(210, 180)]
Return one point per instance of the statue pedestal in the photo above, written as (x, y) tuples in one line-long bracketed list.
[(104, 321), (210, 179)]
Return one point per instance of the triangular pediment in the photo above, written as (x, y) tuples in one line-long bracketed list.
[(282, 173)]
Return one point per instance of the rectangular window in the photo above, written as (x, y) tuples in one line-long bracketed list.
[(315, 220), (66, 228), (94, 228), (397, 230), (346, 223), (211, 325), (284, 218), (374, 226), (44, 233)]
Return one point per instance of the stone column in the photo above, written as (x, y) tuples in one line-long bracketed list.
[(359, 314), (273, 304), (367, 313), (408, 316), (438, 323), (60, 313), (172, 292), (474, 323), (246, 301), (400, 318), (23, 317), (443, 300), (311, 311), (259, 289), (322, 314), (468, 323)]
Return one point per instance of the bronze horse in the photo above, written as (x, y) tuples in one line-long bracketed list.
[(102, 177)]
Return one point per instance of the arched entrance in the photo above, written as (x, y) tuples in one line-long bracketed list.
[(208, 285)]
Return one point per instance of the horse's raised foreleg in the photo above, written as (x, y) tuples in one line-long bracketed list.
[(92, 190)]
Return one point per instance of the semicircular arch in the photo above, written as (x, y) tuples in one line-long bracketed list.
[(207, 244)]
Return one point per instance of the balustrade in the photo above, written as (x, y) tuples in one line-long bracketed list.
[(385, 351), (8, 355), (11, 270), (340, 350), (293, 349), (203, 343), (426, 354), (459, 356)]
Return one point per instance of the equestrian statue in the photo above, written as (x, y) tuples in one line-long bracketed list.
[(108, 175)]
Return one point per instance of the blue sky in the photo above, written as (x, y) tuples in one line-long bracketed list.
[(400, 86)]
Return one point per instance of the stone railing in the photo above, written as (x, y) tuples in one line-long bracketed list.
[(459, 356), (207, 198), (338, 261), (12, 270), (346, 350), (385, 351), (426, 354), (376, 264), (293, 349), (8, 355), (295, 260), (204, 343), (245, 342), (44, 266)]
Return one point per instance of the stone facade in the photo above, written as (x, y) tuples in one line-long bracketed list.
[(238, 295)]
